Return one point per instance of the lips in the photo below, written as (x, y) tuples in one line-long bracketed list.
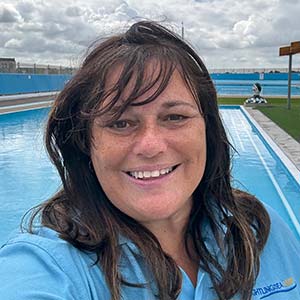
[(151, 174)]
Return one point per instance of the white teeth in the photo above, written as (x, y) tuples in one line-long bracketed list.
[(154, 173), (149, 174), (163, 171)]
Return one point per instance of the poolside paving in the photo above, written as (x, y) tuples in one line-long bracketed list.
[(14, 103), (285, 142)]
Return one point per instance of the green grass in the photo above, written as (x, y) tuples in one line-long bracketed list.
[(276, 110)]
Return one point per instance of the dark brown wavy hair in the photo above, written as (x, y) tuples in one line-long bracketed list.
[(82, 214)]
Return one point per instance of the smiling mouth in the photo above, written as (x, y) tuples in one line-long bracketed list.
[(144, 175)]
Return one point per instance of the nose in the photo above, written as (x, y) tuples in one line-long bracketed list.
[(150, 141)]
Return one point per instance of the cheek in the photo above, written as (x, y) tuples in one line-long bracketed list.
[(103, 160), (99, 155), (104, 164), (198, 156), (195, 145), (202, 146), (108, 158), (102, 150)]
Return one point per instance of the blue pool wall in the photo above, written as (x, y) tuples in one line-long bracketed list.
[(254, 76), (11, 83)]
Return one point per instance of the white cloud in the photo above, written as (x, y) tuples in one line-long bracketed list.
[(74, 11), (226, 33), (26, 9), (8, 13), (13, 44)]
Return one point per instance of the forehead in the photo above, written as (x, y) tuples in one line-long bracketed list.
[(146, 82), (121, 72)]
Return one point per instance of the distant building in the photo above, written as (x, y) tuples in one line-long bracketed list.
[(7, 65)]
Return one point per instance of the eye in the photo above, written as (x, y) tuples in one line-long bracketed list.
[(175, 117), (123, 125), (119, 124)]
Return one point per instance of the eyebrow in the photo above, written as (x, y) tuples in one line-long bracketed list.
[(167, 105), (170, 104)]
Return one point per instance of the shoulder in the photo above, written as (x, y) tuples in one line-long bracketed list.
[(279, 263), (45, 243), (281, 237), (35, 263)]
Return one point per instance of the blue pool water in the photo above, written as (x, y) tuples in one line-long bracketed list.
[(27, 177), (269, 87), (257, 169)]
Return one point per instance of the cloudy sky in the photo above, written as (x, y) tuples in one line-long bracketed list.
[(225, 33)]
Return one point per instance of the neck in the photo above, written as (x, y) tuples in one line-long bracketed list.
[(170, 233), (176, 248), (171, 237)]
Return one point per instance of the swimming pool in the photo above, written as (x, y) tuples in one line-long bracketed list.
[(27, 177), (269, 87), (259, 170)]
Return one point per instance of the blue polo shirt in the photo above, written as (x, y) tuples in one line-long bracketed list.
[(42, 266)]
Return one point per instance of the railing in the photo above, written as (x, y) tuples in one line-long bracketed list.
[(33, 68), (29, 68), (44, 69), (252, 70)]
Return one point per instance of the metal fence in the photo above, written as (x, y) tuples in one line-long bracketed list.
[(9, 65), (254, 70), (43, 69)]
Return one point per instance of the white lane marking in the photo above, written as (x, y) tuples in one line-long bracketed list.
[(277, 187)]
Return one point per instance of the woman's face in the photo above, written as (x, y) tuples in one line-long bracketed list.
[(150, 161)]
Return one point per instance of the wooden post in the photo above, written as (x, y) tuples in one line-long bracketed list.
[(290, 50), (289, 82)]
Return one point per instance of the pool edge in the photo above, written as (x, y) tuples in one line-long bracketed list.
[(289, 165)]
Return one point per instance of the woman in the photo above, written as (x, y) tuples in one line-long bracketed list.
[(146, 210)]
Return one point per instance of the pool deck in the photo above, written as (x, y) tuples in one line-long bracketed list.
[(14, 103), (286, 143)]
